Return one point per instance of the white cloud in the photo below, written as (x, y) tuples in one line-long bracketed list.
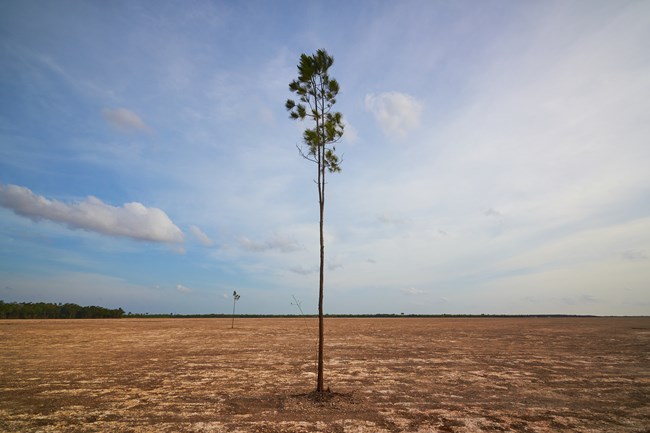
[(125, 120), (350, 132), (284, 244), (132, 220), (300, 270), (412, 291), (201, 236), (397, 113), (183, 289)]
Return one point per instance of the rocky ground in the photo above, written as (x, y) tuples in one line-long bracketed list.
[(386, 375)]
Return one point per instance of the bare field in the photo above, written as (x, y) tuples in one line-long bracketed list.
[(387, 375)]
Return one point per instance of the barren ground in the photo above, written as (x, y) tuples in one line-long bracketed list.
[(387, 375)]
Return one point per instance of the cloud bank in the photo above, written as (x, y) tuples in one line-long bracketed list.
[(132, 220), (396, 113)]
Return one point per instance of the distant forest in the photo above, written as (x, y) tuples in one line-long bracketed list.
[(44, 310)]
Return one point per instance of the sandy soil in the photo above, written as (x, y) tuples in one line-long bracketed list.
[(387, 375)]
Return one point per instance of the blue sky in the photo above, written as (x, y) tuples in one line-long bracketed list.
[(495, 156)]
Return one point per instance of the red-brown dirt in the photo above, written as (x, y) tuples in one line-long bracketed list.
[(386, 375)]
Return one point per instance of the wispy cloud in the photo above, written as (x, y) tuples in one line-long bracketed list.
[(300, 270), (284, 244), (183, 289), (201, 236), (411, 291), (125, 120), (396, 113), (132, 220)]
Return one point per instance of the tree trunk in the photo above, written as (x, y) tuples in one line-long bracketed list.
[(320, 380), (233, 312), (320, 387)]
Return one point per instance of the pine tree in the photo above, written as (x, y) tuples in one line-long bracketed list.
[(316, 93)]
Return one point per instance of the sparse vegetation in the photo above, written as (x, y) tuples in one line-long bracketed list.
[(389, 375)]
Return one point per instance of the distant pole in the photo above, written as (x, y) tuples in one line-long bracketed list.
[(235, 298)]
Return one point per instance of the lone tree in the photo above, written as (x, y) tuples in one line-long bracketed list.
[(235, 298), (316, 93)]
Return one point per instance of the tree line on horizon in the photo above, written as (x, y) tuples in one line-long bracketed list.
[(351, 316), (47, 310)]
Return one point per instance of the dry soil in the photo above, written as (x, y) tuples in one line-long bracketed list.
[(386, 375)]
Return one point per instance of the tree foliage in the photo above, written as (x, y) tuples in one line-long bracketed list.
[(317, 93)]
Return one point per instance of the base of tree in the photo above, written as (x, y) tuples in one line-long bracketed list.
[(327, 396)]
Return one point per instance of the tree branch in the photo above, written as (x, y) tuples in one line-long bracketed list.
[(305, 156)]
